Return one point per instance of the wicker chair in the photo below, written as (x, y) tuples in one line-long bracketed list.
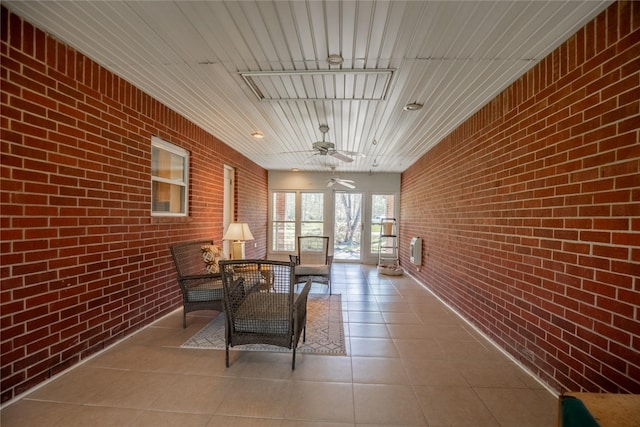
[(261, 305), (313, 260), (201, 286)]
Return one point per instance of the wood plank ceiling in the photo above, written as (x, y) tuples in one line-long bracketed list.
[(239, 67)]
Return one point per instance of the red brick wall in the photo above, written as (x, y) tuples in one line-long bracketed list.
[(530, 212), (83, 262)]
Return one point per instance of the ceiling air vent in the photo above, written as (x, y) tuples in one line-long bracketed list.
[(319, 85)]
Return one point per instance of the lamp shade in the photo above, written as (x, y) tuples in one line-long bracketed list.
[(238, 231)]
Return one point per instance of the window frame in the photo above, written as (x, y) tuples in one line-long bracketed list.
[(298, 217), (161, 144), (273, 222), (300, 220)]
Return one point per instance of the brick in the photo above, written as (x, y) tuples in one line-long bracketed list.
[(60, 176)]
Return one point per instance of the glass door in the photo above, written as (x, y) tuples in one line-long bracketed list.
[(347, 228)]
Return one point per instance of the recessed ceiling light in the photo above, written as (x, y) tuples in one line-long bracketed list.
[(414, 106), (335, 60), (257, 135)]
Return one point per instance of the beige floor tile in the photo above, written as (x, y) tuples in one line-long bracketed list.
[(78, 385), (387, 404), (349, 297), (368, 330), (169, 419), (381, 299), (384, 291), (493, 374), (321, 402), (149, 358), (419, 348), (396, 307), (451, 331), (89, 416), (229, 421), (252, 397), (521, 407), (454, 406), (471, 349), (374, 347), (266, 364), (431, 372), (302, 423), (162, 336), (197, 394), (401, 318), (34, 413), (365, 317), (132, 389), (361, 306), (211, 362), (323, 368), (410, 331), (379, 370)]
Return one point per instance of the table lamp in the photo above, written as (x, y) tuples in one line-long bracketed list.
[(238, 232)]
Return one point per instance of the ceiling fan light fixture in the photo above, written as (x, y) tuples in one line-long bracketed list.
[(414, 106), (257, 135), (335, 59)]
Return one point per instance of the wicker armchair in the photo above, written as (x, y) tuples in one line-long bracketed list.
[(261, 305), (200, 283), (313, 260)]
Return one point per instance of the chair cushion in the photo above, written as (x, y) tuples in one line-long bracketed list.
[(211, 254), (311, 270), (263, 312), (205, 293)]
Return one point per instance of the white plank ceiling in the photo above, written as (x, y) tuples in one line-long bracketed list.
[(238, 67)]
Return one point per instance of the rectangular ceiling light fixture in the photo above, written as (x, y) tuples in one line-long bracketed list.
[(319, 85)]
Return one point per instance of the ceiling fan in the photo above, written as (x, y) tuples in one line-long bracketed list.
[(326, 148), (335, 180)]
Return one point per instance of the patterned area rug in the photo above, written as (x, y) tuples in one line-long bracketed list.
[(325, 330)]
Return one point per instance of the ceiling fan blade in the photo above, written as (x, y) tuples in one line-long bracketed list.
[(340, 156), (330, 183), (293, 152), (346, 184), (353, 153), (345, 180), (310, 158)]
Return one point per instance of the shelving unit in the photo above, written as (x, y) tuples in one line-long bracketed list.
[(388, 247)]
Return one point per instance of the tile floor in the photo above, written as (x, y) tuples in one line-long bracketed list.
[(410, 362)]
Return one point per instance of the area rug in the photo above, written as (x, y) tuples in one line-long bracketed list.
[(325, 330)]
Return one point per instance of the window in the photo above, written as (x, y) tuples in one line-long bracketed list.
[(287, 222), (283, 221), (169, 179), (312, 218)]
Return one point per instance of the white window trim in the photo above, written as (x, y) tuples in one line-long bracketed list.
[(167, 146)]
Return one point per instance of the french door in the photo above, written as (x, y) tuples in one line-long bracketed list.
[(347, 226)]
